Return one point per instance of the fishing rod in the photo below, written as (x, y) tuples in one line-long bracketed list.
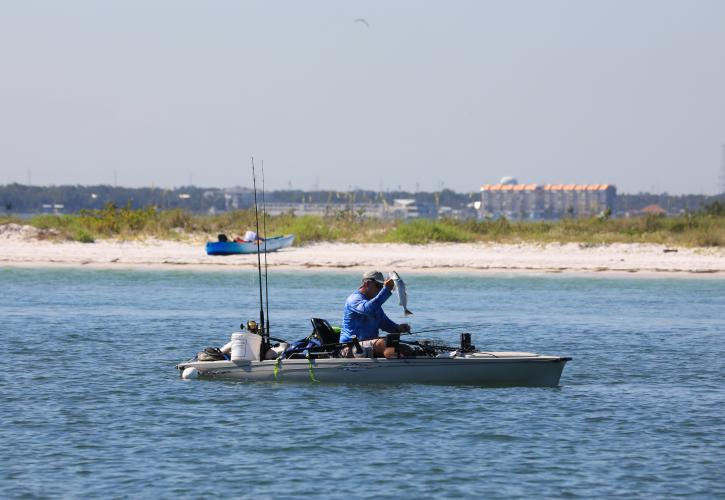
[(264, 230), (259, 262), (433, 346), (442, 328)]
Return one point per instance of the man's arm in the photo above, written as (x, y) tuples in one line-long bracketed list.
[(374, 304), (387, 324)]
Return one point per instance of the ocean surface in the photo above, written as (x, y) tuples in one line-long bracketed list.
[(92, 405)]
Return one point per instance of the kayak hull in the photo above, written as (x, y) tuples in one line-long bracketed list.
[(235, 248), (481, 369)]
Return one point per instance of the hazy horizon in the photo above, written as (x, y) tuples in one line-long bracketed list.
[(309, 190), (424, 96)]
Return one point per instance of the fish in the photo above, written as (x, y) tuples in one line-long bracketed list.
[(402, 293)]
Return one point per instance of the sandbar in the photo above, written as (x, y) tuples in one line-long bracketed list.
[(622, 259)]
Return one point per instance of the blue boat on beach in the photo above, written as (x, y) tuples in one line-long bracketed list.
[(234, 247)]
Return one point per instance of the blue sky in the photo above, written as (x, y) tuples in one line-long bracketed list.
[(433, 94)]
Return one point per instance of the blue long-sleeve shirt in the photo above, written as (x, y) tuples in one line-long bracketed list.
[(364, 318)]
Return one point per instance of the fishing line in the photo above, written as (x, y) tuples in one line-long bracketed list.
[(447, 327)]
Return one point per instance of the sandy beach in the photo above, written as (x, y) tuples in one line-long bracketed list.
[(22, 248)]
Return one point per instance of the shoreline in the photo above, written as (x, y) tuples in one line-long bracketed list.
[(440, 258)]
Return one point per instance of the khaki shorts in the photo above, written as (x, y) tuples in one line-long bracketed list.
[(368, 350)]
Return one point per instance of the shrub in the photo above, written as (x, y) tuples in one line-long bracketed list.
[(715, 208), (83, 236), (307, 229), (421, 231)]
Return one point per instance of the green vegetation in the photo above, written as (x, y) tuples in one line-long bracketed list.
[(426, 231), (704, 228)]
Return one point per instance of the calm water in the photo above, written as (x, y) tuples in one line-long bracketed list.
[(92, 404)]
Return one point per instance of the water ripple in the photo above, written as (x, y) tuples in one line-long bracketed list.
[(93, 407)]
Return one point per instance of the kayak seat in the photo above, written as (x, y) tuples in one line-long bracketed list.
[(324, 331)]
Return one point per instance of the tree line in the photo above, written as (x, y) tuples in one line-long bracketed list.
[(20, 199)]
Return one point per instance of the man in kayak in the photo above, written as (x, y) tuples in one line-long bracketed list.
[(363, 316)]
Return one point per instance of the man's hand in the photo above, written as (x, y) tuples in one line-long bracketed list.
[(389, 284), (404, 328)]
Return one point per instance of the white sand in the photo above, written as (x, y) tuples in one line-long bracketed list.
[(20, 247)]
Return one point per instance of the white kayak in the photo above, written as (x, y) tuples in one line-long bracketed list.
[(495, 369)]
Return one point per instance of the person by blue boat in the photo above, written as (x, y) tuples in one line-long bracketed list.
[(243, 246), (249, 236)]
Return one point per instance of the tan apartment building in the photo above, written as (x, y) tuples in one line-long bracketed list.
[(550, 201)]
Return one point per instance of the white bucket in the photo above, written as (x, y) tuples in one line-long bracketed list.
[(246, 346)]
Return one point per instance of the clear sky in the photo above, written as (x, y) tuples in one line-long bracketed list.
[(432, 94)]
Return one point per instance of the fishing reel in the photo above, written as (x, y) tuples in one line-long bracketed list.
[(466, 345), (250, 326)]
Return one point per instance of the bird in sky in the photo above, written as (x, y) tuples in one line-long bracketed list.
[(362, 21)]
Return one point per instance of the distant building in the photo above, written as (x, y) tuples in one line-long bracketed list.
[(238, 198), (404, 208), (326, 209), (653, 209), (409, 208), (53, 208), (550, 201)]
